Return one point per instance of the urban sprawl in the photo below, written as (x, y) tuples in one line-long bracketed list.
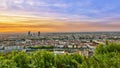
[(83, 43)]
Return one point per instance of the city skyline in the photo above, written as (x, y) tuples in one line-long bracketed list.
[(59, 16)]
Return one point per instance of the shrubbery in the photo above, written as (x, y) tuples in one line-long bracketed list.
[(105, 56)]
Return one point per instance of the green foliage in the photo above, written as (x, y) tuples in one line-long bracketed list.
[(42, 59), (7, 63), (111, 47), (77, 57), (22, 60), (66, 61), (105, 56)]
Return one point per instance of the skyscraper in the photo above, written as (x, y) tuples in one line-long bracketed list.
[(29, 33), (39, 34)]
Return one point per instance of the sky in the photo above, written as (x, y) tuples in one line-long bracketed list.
[(59, 15)]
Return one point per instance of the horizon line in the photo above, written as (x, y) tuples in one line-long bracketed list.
[(58, 32)]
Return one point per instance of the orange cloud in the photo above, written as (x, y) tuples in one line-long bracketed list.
[(23, 24)]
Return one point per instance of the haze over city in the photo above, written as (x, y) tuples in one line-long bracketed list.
[(59, 15)]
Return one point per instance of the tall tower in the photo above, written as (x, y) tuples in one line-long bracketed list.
[(29, 33), (39, 34)]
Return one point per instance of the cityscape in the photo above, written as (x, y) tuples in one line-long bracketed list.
[(59, 33), (60, 43)]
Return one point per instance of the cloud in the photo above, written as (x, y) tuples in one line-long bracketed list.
[(3, 4), (21, 24), (86, 8), (58, 15)]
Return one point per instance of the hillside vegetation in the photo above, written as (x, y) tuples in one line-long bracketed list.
[(105, 56)]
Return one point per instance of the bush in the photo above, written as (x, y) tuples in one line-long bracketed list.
[(105, 56)]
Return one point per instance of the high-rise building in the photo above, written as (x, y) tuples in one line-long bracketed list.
[(29, 33), (39, 33)]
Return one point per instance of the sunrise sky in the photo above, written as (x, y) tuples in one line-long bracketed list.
[(59, 15)]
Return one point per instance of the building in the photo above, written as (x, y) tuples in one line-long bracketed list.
[(39, 34), (29, 33)]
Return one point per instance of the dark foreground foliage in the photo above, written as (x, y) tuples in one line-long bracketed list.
[(105, 56)]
